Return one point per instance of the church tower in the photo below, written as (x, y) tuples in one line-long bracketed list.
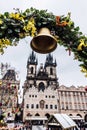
[(31, 66), (31, 71), (40, 90), (50, 66), (9, 88)]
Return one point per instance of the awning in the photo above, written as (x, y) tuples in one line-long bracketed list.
[(76, 118), (36, 118), (64, 120)]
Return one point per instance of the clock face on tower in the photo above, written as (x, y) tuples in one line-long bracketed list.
[(41, 87)]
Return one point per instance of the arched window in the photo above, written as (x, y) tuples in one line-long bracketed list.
[(37, 114), (28, 114), (32, 69), (41, 87)]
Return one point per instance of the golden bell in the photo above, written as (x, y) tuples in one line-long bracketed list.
[(44, 42)]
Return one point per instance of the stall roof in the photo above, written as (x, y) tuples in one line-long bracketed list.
[(76, 118), (64, 120)]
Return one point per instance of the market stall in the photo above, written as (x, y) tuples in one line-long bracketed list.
[(61, 122)]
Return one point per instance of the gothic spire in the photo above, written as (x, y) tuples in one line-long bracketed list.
[(32, 58), (49, 60)]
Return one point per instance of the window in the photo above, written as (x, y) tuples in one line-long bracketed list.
[(46, 96), (76, 106), (32, 105), (27, 105), (51, 106), (46, 106), (70, 106), (37, 106), (79, 106), (62, 105), (41, 87), (51, 71), (31, 70), (55, 106), (83, 106), (53, 96)]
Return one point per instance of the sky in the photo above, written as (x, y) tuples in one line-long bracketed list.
[(68, 70)]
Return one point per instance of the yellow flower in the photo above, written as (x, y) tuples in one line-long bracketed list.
[(84, 70), (86, 75), (4, 42), (11, 15), (16, 16), (7, 42), (30, 27), (1, 21), (82, 44), (21, 18), (0, 42)]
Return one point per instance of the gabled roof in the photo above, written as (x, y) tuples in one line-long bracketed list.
[(63, 120)]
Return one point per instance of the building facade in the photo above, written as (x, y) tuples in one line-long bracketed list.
[(9, 87), (73, 101), (42, 95)]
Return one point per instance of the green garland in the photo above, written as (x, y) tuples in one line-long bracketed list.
[(18, 25)]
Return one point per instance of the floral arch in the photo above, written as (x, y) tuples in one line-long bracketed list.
[(18, 25)]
